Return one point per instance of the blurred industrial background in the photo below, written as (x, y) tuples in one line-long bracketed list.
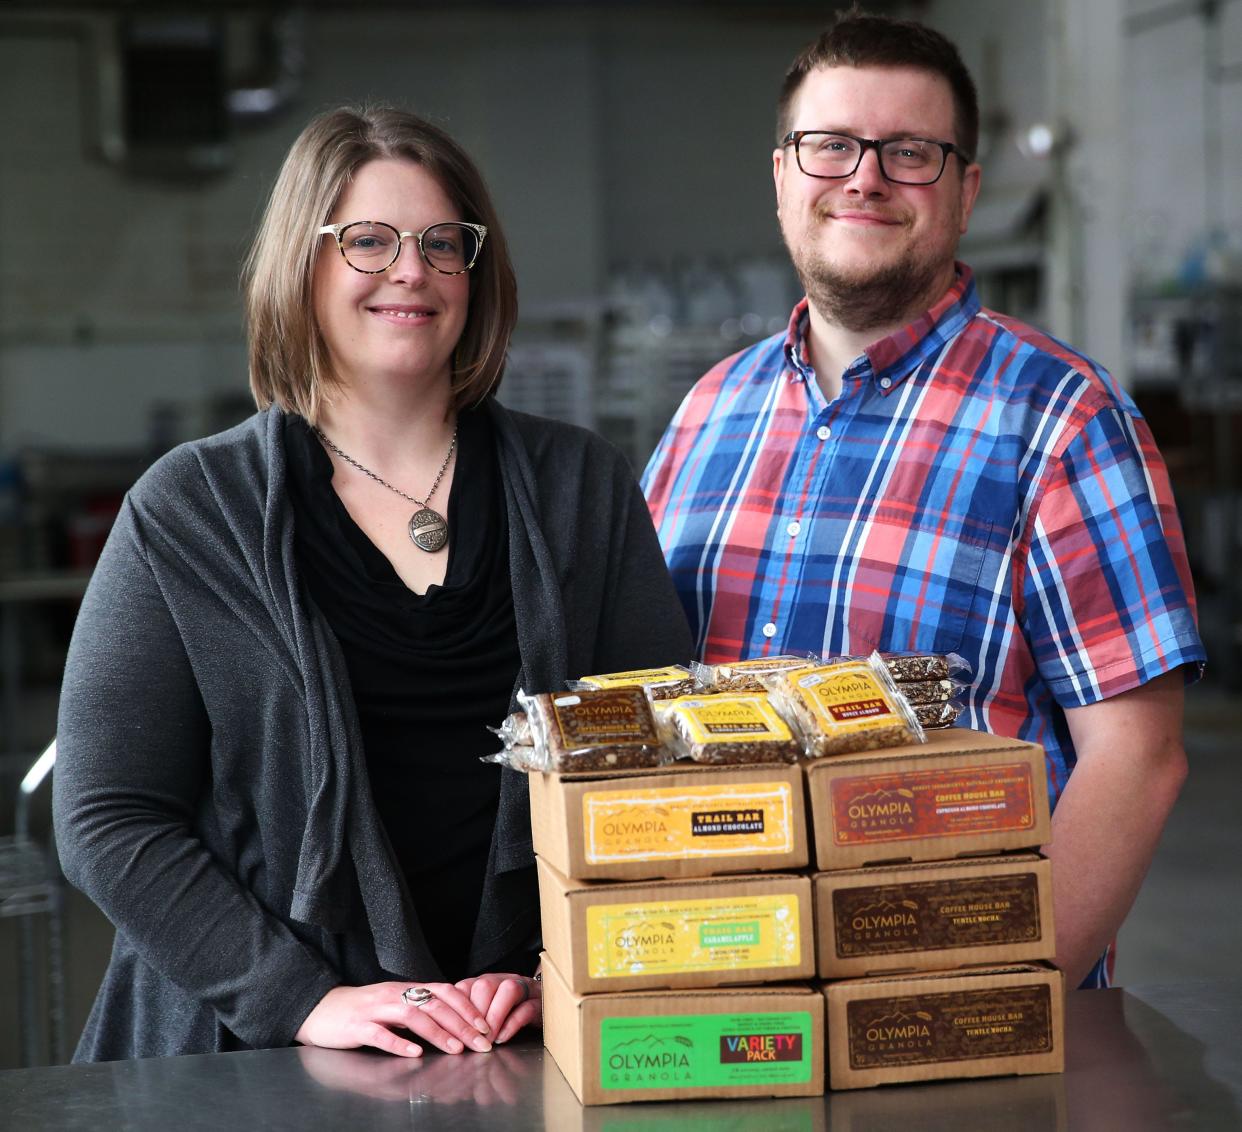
[(628, 148)]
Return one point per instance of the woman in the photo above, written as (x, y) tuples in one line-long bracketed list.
[(276, 695)]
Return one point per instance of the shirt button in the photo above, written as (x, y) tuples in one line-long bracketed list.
[(769, 630), (823, 432), (886, 382), (794, 527)]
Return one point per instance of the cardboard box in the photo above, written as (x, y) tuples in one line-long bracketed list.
[(961, 793), (685, 1045), (927, 917), (983, 1022), (704, 932), (682, 820)]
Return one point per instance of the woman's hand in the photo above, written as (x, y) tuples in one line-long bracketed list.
[(374, 1015), (508, 1002)]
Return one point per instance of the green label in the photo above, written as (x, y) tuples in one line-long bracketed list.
[(705, 1050), (791, 1114), (729, 935)]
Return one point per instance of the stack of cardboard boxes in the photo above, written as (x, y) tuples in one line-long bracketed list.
[(935, 911), (683, 928), (676, 932)]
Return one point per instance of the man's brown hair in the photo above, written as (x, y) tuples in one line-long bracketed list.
[(857, 39)]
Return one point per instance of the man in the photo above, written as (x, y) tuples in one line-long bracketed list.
[(904, 470)]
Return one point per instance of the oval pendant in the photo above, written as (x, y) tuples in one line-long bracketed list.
[(428, 530)]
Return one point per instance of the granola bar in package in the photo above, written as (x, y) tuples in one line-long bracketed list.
[(746, 675), (727, 728), (914, 667), (592, 729), (518, 750), (845, 706), (659, 683), (935, 716), (514, 731), (933, 683), (920, 692)]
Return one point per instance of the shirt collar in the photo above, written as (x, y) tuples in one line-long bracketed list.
[(795, 337), (896, 357)]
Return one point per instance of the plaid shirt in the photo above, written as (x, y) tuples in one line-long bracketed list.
[(977, 488)]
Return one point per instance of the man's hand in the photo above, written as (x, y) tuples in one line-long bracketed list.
[(1131, 766)]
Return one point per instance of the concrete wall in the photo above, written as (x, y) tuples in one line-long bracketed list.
[(603, 135), (608, 133)]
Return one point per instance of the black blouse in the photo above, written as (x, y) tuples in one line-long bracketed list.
[(429, 672)]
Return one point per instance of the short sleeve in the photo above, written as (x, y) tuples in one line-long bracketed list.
[(1107, 600)]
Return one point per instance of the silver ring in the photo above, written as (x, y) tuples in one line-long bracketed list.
[(525, 991), (416, 996)]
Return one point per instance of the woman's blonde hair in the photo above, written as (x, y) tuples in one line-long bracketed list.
[(289, 363)]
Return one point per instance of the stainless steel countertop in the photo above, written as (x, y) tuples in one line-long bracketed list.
[(1148, 1057)]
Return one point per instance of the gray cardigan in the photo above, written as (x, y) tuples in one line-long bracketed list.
[(211, 793)]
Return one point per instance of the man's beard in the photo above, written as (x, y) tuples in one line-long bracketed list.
[(870, 297)]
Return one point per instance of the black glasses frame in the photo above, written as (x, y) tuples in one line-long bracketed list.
[(337, 230), (794, 138)]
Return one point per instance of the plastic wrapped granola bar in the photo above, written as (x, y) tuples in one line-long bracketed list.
[(745, 675), (911, 667), (727, 728), (847, 706), (514, 731), (592, 729), (922, 692), (659, 683), (934, 716)]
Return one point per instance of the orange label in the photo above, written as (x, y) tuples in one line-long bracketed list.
[(694, 821), (912, 805)]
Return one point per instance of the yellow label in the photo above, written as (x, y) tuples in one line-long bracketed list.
[(845, 698), (680, 936), (637, 676), (767, 664), (730, 719), (725, 820)]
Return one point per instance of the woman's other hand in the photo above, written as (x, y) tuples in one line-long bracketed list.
[(507, 1001), (374, 1016)]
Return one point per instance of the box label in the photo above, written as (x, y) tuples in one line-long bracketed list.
[(949, 1026), (891, 919), (764, 1120), (915, 804), (705, 1050), (672, 823), (725, 933)]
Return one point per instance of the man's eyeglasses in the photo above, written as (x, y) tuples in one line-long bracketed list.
[(371, 246), (903, 161)]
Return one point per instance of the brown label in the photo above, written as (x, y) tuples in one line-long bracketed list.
[(890, 919), (949, 1026), (910, 805), (618, 715)]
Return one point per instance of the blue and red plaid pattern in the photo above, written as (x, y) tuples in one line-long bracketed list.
[(977, 488)]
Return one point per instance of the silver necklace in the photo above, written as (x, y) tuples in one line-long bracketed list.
[(428, 528)]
